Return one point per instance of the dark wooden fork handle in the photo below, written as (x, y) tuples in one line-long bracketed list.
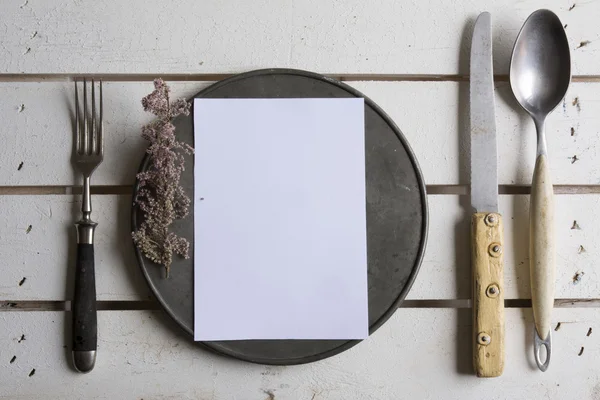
[(85, 334)]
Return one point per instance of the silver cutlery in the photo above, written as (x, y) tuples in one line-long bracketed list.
[(540, 74), (87, 155)]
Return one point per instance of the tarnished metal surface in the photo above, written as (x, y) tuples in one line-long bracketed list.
[(484, 152), (396, 218)]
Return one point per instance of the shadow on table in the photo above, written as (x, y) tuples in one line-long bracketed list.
[(72, 241), (518, 236), (124, 246), (462, 233)]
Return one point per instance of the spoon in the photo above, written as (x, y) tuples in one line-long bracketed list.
[(540, 73)]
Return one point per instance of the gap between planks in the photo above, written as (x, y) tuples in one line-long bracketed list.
[(431, 190), (512, 189), (128, 305), (183, 77)]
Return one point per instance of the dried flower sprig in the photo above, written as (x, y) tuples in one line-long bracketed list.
[(160, 197)]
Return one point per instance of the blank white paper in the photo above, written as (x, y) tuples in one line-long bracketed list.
[(280, 219)]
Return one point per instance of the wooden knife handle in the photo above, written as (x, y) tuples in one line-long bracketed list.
[(487, 249)]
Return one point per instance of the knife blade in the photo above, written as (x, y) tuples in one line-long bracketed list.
[(486, 222)]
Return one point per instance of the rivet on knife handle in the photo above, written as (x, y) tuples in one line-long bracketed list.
[(488, 294)]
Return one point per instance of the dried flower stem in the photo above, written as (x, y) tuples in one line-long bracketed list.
[(160, 197)]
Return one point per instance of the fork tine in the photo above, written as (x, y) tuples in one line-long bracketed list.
[(100, 126), (77, 148), (85, 139), (93, 130)]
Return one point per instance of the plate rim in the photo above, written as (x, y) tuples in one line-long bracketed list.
[(214, 346)]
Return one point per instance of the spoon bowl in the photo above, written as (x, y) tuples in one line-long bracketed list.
[(540, 67)]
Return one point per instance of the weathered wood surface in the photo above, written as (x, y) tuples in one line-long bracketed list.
[(341, 36), (45, 255), (432, 115), (409, 57), (418, 354)]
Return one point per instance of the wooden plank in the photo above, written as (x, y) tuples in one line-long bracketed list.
[(38, 243), (39, 135), (432, 115), (45, 257), (447, 255), (401, 360), (351, 36), (439, 113)]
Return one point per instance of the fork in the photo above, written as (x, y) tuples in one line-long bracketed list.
[(88, 153)]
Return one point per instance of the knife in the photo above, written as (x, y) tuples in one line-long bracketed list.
[(486, 223)]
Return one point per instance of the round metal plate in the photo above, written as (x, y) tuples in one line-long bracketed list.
[(396, 218)]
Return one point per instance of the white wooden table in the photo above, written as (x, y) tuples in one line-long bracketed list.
[(409, 57)]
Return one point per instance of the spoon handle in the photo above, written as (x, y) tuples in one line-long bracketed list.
[(542, 255)]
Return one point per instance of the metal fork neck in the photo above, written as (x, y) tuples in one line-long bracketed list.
[(86, 205), (85, 226), (540, 126)]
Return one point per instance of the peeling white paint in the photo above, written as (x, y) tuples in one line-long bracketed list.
[(351, 36)]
